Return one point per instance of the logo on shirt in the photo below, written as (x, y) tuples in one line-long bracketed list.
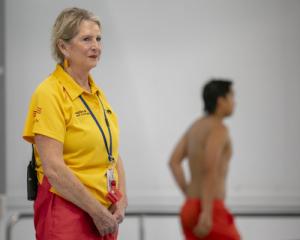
[(38, 110), (81, 113)]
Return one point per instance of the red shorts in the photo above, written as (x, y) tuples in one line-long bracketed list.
[(223, 223), (58, 219)]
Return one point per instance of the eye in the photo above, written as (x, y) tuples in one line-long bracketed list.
[(98, 39), (86, 39)]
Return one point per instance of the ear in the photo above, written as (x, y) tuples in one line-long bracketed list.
[(63, 47), (220, 101)]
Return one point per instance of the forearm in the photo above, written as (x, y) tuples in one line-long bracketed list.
[(70, 188)]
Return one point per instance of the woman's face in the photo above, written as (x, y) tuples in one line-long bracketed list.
[(83, 51), (230, 102)]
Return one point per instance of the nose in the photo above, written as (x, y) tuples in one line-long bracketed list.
[(95, 45)]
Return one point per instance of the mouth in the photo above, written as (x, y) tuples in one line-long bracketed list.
[(93, 56)]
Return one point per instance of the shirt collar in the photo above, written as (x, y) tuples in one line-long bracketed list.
[(71, 86)]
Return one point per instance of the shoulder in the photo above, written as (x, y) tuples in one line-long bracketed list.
[(220, 127), (48, 88), (209, 125), (219, 131)]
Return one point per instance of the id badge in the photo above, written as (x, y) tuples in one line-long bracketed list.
[(110, 178), (113, 195)]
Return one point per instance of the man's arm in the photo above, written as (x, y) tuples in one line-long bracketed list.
[(175, 163), (68, 186), (213, 154)]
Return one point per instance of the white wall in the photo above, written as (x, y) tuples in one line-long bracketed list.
[(157, 55)]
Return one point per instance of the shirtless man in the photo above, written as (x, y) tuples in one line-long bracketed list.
[(207, 146)]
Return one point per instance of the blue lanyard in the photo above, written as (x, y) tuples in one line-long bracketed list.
[(109, 150)]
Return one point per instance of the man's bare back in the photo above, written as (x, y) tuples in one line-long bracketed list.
[(198, 136)]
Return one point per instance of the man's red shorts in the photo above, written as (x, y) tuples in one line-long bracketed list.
[(223, 222), (58, 219)]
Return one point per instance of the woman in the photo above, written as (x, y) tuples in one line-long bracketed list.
[(81, 192)]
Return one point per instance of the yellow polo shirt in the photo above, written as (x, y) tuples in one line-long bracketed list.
[(56, 111)]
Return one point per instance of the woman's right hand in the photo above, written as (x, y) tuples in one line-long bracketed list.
[(105, 222)]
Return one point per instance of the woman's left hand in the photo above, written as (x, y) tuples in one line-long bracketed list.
[(118, 210)]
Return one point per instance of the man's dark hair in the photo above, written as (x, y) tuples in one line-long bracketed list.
[(212, 90)]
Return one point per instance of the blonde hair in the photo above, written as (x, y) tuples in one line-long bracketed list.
[(66, 27)]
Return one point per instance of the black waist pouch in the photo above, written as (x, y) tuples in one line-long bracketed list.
[(32, 181)]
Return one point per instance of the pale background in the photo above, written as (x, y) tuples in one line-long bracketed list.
[(156, 57)]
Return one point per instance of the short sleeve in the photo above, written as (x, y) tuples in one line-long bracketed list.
[(45, 116)]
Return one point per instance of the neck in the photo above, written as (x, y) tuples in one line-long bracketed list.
[(81, 77), (218, 115)]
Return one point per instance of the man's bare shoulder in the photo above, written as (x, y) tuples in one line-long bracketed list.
[(219, 131), (219, 126), (203, 127), (209, 123), (200, 124)]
